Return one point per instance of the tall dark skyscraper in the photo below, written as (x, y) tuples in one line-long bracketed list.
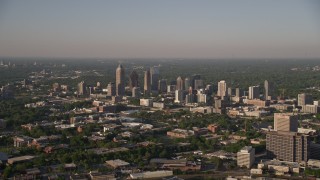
[(133, 79), (162, 86), (147, 82), (154, 78), (120, 75)]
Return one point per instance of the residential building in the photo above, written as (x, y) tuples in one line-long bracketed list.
[(304, 99), (288, 146), (285, 122), (246, 157)]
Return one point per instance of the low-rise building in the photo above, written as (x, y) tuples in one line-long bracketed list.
[(151, 174), (117, 163), (180, 133)]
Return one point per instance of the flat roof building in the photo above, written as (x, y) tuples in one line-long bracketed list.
[(246, 157)]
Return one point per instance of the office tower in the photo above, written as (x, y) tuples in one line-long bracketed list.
[(193, 78), (179, 95), (239, 92), (288, 146), (222, 88), (246, 157), (111, 89), (187, 83), (154, 78), (180, 85), (171, 88), (191, 98), (162, 86), (304, 99), (230, 91), (82, 88), (133, 79), (147, 82), (268, 90), (209, 89), (120, 75), (198, 84), (201, 98), (98, 84), (136, 92), (254, 92), (285, 122)]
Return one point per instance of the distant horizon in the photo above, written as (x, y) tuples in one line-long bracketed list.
[(206, 29)]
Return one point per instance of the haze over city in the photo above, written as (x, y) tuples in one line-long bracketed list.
[(160, 29)]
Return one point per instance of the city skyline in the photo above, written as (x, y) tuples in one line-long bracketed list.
[(160, 29)]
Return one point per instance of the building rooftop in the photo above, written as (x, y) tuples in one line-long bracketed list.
[(117, 163)]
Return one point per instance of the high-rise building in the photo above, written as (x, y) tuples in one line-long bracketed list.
[(268, 90), (162, 86), (288, 146), (147, 82), (239, 92), (209, 89), (187, 83), (180, 85), (191, 98), (285, 122), (222, 88), (193, 78), (171, 88), (133, 79), (254, 92), (136, 92), (198, 84), (304, 99), (120, 80), (111, 89), (230, 91), (179, 95), (154, 78), (82, 88), (246, 157), (202, 98)]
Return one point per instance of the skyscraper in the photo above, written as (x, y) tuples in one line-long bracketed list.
[(254, 92), (162, 86), (268, 90), (180, 85), (133, 79), (111, 89), (179, 95), (222, 88), (304, 99), (154, 78), (82, 88), (239, 92), (120, 75), (187, 83), (198, 84), (147, 82)]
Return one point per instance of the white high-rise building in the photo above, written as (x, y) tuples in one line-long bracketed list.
[(222, 88)]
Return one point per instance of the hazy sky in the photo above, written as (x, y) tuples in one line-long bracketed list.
[(160, 28)]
